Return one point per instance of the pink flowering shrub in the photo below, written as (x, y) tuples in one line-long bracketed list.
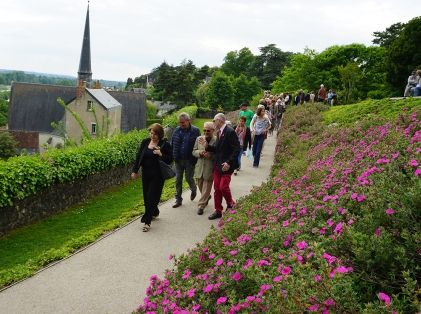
[(335, 230)]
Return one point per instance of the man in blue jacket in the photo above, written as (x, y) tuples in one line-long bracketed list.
[(183, 140)]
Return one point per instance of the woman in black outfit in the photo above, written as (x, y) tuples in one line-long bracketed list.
[(150, 151)]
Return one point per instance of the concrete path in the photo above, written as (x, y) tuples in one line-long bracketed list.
[(112, 275)]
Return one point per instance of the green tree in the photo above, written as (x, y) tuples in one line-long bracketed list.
[(404, 55), (220, 92), (350, 75), (245, 89), (239, 62), (270, 64), (7, 145), (4, 108), (385, 38), (164, 85)]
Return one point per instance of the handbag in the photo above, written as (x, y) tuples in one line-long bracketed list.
[(167, 172)]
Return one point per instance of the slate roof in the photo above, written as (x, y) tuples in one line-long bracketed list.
[(104, 98), (34, 106)]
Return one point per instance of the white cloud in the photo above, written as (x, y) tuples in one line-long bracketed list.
[(130, 37)]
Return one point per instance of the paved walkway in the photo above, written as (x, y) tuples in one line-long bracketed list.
[(112, 275)]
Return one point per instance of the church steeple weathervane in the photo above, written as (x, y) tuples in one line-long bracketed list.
[(85, 73)]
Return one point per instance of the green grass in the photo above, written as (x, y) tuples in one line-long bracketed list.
[(198, 122), (26, 250), (385, 108)]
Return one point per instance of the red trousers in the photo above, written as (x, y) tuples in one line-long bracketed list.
[(221, 185)]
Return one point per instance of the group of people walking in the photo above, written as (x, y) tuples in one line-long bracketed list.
[(205, 160), (414, 84)]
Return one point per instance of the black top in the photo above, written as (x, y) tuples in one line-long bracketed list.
[(145, 157)]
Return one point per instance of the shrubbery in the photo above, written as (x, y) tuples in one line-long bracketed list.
[(335, 230), (172, 120), (23, 176)]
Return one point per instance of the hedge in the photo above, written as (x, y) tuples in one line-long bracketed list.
[(171, 121), (23, 176)]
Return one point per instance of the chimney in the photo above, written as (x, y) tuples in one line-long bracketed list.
[(80, 89)]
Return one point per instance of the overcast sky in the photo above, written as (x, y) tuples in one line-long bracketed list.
[(131, 37)]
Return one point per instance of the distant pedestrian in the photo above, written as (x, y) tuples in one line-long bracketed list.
[(241, 131), (183, 140), (245, 112), (412, 82), (259, 126), (150, 151), (226, 151), (203, 171), (321, 94)]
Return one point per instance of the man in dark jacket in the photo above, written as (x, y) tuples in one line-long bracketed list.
[(183, 140), (225, 151)]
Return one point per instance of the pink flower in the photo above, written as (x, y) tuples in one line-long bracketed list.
[(186, 274), (190, 293), (313, 308), (361, 198), (277, 279), (389, 211), (317, 278), (338, 228), (286, 270), (378, 232), (329, 258), (212, 256), (208, 288), (413, 163), (302, 245), (233, 252), (417, 172), (262, 263), (285, 223), (221, 300), (329, 302), (219, 262), (384, 297), (236, 276)]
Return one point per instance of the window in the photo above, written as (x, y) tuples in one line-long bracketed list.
[(93, 128), (90, 106)]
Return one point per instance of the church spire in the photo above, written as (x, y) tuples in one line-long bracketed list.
[(85, 73)]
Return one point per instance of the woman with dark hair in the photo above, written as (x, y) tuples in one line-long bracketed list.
[(259, 126), (150, 151)]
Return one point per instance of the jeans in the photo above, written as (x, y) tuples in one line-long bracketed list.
[(417, 91), (257, 148), (183, 166), (240, 154)]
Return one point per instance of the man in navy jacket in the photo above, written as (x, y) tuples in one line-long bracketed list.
[(183, 140)]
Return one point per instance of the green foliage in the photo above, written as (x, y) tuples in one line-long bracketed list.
[(370, 109), (239, 62), (404, 54), (172, 120), (245, 89), (152, 121), (4, 108), (25, 175), (86, 135), (151, 110), (7, 145), (220, 92)]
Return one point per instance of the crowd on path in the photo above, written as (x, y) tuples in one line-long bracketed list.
[(207, 160)]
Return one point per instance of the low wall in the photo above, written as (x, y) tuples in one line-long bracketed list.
[(58, 197)]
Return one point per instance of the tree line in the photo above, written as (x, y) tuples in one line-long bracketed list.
[(354, 71)]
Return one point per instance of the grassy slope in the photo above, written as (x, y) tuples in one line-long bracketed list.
[(385, 108)]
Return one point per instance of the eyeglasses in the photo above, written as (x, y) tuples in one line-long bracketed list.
[(207, 130)]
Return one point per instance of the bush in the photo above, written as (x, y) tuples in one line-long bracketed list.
[(151, 110), (7, 145), (23, 176), (172, 120)]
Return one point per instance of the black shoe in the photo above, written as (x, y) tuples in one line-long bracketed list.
[(193, 195), (177, 204), (215, 215), (200, 211)]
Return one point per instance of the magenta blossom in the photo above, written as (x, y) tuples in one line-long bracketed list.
[(389, 211), (190, 293), (338, 228), (286, 270), (413, 163), (378, 232), (219, 262), (221, 300), (236, 276), (186, 274), (302, 245), (384, 297)]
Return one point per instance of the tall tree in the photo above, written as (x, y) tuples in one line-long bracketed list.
[(385, 38), (404, 55), (270, 64), (239, 62)]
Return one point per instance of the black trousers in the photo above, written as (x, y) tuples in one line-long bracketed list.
[(152, 185)]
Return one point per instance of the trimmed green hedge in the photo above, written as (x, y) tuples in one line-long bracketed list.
[(172, 120), (23, 176)]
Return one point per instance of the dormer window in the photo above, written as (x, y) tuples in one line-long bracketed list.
[(90, 106)]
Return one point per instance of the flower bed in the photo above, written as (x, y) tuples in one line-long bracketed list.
[(336, 230)]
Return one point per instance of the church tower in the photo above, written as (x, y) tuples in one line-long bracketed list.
[(85, 73)]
